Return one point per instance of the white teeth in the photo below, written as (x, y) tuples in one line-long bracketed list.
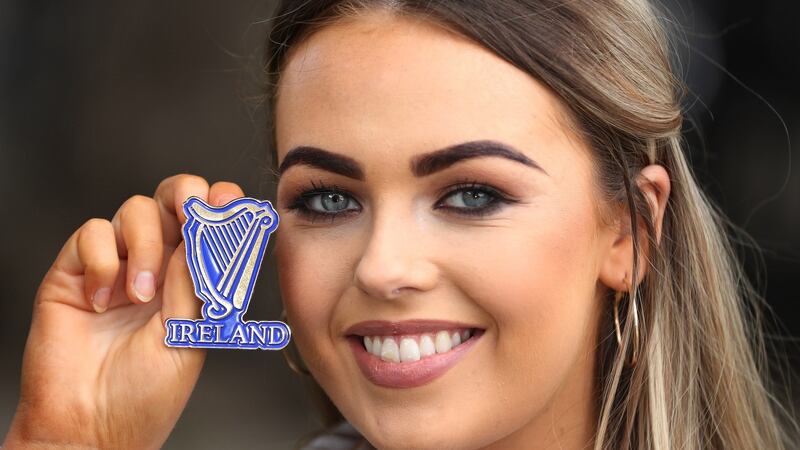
[(426, 347), (376, 346), (409, 350), (389, 350), (414, 347), (443, 343), (368, 343)]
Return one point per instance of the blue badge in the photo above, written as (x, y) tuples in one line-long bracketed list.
[(224, 249)]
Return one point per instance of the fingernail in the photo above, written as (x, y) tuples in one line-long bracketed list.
[(100, 299), (144, 285)]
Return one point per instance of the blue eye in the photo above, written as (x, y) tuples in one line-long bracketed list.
[(466, 199), (329, 202), (469, 199), (473, 199), (322, 201)]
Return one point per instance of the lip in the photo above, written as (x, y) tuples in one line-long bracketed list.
[(417, 326), (404, 375)]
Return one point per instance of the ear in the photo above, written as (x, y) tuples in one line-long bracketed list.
[(615, 269)]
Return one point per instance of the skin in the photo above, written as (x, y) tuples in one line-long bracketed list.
[(533, 273), (382, 90)]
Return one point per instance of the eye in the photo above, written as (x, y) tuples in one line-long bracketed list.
[(329, 202), (322, 201), (473, 199)]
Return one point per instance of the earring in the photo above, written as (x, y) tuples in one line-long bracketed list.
[(635, 356), (289, 353)]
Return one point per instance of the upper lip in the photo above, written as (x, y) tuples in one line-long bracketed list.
[(417, 326)]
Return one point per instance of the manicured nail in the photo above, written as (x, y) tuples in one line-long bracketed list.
[(144, 285), (100, 299)]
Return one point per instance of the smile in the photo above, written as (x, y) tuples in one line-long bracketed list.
[(411, 353), (407, 348)]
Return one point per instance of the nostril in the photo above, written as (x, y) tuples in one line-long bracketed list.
[(384, 275), (397, 292)]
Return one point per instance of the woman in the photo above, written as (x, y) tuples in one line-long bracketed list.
[(490, 238)]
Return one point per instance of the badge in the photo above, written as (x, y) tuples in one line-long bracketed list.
[(224, 249)]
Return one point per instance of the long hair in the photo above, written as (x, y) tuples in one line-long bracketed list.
[(701, 381)]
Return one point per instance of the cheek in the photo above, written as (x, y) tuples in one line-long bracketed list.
[(311, 284), (536, 280)]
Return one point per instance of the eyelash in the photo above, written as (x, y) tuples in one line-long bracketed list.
[(498, 200), (298, 204)]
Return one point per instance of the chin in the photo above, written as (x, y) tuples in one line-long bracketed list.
[(412, 438), (448, 412), (438, 428)]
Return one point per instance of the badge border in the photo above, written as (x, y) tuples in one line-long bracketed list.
[(194, 275)]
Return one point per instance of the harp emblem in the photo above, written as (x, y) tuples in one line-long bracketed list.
[(224, 249)]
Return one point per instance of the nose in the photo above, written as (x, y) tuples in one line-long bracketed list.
[(395, 261)]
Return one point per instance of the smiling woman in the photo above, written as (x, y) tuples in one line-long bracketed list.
[(442, 224), (490, 238), (480, 280)]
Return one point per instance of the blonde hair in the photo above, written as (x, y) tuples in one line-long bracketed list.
[(702, 378)]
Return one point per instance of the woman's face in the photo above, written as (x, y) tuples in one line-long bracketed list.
[(429, 188)]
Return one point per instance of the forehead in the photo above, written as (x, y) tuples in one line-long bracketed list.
[(397, 85)]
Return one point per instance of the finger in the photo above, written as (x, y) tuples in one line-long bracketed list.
[(178, 301), (98, 253), (170, 195), (90, 251), (222, 192), (137, 226), (179, 298)]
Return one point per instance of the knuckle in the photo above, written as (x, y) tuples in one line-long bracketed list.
[(139, 201), (147, 243), (166, 181), (95, 225), (102, 266), (224, 185), (188, 179), (135, 204)]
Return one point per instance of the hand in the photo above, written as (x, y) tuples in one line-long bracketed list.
[(96, 372)]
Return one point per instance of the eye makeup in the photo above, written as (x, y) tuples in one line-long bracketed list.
[(307, 197), (479, 199), (471, 190)]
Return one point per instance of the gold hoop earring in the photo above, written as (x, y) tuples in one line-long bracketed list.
[(288, 354), (617, 328)]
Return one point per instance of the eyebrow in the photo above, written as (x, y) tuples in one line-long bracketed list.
[(420, 165), (322, 159), (429, 163)]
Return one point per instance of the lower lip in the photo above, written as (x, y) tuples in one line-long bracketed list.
[(408, 374)]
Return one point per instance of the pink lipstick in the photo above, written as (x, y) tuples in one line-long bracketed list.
[(410, 353)]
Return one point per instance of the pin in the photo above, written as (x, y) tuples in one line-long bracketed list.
[(224, 249)]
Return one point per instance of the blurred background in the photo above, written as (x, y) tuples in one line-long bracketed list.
[(100, 100)]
